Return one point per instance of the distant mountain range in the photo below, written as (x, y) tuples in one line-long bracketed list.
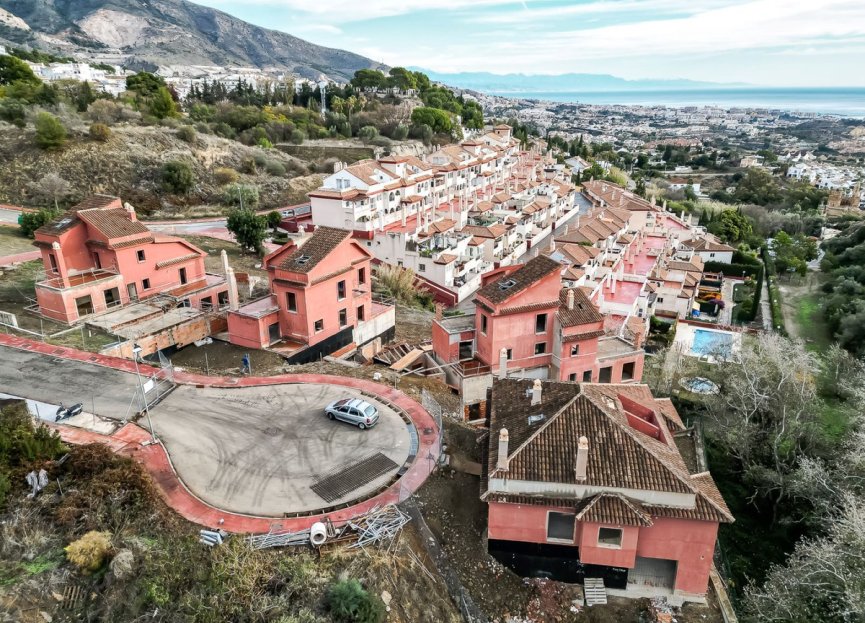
[(143, 34), (514, 84)]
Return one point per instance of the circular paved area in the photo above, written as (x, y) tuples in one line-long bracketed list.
[(258, 450)]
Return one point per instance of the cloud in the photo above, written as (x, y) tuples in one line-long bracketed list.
[(599, 7), (325, 28), (758, 25), (356, 10)]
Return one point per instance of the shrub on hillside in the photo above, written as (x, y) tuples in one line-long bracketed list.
[(100, 132), (225, 175), (177, 177), (241, 196), (367, 133), (275, 167), (90, 551), (186, 134), (297, 137), (50, 133), (13, 111), (349, 602)]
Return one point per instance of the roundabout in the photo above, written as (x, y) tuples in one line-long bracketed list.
[(270, 451)]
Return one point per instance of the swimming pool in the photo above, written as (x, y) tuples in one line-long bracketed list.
[(712, 343)]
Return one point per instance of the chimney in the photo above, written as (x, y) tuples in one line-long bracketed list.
[(536, 392), (503, 363), (438, 307), (502, 462), (570, 299), (582, 459), (130, 212)]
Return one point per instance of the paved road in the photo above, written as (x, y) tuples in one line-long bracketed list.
[(257, 450), (103, 391), (9, 216)]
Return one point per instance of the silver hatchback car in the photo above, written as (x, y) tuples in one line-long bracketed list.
[(354, 411)]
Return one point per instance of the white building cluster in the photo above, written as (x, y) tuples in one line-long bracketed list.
[(461, 211)]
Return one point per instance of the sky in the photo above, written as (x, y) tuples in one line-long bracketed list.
[(760, 42)]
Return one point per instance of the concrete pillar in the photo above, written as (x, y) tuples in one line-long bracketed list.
[(503, 363), (570, 299), (61, 264), (233, 298)]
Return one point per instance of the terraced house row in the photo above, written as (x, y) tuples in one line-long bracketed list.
[(460, 212)]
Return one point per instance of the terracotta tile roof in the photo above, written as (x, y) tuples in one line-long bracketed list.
[(69, 219), (665, 406), (612, 508), (493, 231), (128, 243), (620, 457), (442, 226), (704, 244), (177, 260), (366, 170), (586, 335), (476, 241), (445, 258), (531, 272), (690, 267), (323, 240), (584, 311), (113, 222)]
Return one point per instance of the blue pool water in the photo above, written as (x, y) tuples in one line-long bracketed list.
[(712, 343)]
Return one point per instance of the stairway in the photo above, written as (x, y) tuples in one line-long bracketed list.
[(595, 592)]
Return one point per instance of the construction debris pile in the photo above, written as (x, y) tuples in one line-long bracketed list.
[(660, 610), (379, 527)]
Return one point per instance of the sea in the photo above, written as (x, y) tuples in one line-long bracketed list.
[(843, 102)]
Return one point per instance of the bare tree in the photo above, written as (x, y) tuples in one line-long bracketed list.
[(824, 578), (52, 187), (767, 410)]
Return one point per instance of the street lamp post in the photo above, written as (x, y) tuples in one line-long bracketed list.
[(136, 351)]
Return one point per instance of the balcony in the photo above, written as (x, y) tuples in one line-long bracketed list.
[(83, 278)]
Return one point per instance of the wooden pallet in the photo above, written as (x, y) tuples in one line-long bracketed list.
[(596, 592)]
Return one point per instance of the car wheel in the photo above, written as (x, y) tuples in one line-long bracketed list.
[(330, 415), (361, 426)]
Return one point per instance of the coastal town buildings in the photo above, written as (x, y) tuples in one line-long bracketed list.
[(462, 211), (588, 481), (320, 301)]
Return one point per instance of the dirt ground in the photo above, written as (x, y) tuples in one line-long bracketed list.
[(237, 258), (413, 325)]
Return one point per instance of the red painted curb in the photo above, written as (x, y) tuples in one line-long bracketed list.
[(130, 440)]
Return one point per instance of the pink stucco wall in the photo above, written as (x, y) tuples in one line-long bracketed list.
[(689, 542), (251, 332)]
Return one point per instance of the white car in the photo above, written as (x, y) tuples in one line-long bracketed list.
[(354, 411)]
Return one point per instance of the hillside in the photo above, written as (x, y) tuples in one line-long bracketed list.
[(167, 32), (129, 165)]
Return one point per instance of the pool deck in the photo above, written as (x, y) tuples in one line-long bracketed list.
[(686, 332)]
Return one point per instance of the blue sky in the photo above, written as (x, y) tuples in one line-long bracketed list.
[(765, 42)]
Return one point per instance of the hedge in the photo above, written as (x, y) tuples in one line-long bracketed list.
[(734, 270)]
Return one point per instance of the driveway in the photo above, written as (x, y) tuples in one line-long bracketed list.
[(258, 450)]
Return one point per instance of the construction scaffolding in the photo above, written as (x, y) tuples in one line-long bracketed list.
[(379, 527)]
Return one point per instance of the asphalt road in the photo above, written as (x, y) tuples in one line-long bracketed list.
[(257, 450), (102, 391), (9, 216)]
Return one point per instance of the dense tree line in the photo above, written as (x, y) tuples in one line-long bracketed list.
[(844, 302)]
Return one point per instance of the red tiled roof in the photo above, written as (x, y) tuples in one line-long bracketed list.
[(323, 240), (531, 272), (112, 223)]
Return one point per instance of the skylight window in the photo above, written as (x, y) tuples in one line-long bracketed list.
[(303, 259), (507, 284)]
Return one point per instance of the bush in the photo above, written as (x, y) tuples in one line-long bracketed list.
[(297, 137), (50, 133), (367, 133), (13, 111), (225, 175), (90, 551), (249, 229), (275, 167), (100, 132), (400, 133), (240, 195), (348, 602), (273, 219), (177, 177), (31, 221), (264, 143), (186, 134)]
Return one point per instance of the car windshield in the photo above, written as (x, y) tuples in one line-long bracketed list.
[(370, 410)]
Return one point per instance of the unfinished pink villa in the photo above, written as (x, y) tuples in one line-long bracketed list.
[(98, 256)]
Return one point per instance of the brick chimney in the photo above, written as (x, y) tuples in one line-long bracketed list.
[(438, 307), (537, 387), (582, 459), (502, 462)]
